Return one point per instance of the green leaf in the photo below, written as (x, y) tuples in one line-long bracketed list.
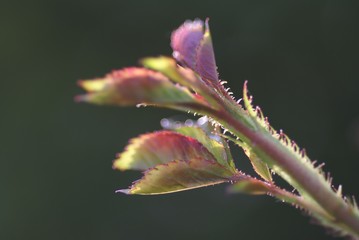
[(220, 150), (149, 150), (258, 164), (178, 176), (131, 86), (168, 67)]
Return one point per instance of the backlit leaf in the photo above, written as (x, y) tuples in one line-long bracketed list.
[(250, 186), (185, 41), (131, 86), (182, 75), (258, 164), (192, 46), (179, 176), (218, 149), (149, 150), (168, 67), (206, 62)]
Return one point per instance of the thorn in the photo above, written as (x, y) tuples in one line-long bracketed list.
[(329, 178), (239, 100), (250, 99), (339, 191), (355, 205), (260, 114), (281, 134), (223, 82), (320, 165), (303, 152)]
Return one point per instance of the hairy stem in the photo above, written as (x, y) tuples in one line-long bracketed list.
[(285, 196), (344, 216)]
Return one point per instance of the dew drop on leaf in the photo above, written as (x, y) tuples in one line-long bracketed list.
[(165, 123), (203, 120), (188, 123)]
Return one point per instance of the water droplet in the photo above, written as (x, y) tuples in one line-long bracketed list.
[(188, 122), (203, 120), (165, 123), (176, 54)]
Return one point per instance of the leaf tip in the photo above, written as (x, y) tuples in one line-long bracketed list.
[(159, 63), (124, 191), (92, 85), (120, 165)]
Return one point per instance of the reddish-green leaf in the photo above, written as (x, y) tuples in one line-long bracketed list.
[(179, 176), (250, 185), (151, 149), (131, 86)]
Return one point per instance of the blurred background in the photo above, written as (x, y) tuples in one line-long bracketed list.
[(56, 180)]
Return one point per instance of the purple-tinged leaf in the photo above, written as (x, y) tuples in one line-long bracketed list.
[(185, 41), (131, 86), (178, 176), (205, 61), (148, 150), (192, 46)]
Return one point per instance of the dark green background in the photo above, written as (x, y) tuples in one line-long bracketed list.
[(56, 181)]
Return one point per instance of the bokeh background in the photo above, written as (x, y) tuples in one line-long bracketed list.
[(56, 181)]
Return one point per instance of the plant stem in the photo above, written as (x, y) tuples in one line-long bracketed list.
[(283, 195), (345, 216)]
